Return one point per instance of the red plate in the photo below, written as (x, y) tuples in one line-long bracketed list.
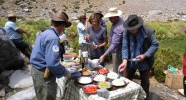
[(90, 89), (103, 70)]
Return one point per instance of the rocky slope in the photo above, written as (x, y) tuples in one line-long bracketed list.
[(149, 9)]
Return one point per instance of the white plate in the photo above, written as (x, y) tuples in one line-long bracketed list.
[(99, 78), (118, 82), (112, 75), (84, 80)]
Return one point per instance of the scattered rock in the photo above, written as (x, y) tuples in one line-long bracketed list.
[(27, 94), (162, 92), (154, 12), (20, 79), (175, 96), (183, 18), (2, 92), (26, 10)]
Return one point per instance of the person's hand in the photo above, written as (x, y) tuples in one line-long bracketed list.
[(96, 46), (87, 38), (122, 66), (141, 57), (101, 59), (68, 74), (87, 19), (61, 41), (65, 40)]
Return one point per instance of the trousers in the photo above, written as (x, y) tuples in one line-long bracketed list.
[(44, 90)]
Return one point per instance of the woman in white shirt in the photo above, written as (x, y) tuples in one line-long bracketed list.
[(81, 28)]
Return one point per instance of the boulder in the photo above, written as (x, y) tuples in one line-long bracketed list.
[(10, 57), (21, 79), (27, 94)]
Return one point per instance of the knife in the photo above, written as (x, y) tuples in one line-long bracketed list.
[(134, 59)]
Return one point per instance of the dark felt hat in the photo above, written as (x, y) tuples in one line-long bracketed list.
[(133, 22), (61, 16), (99, 12)]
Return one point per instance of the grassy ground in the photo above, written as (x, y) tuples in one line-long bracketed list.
[(177, 44)]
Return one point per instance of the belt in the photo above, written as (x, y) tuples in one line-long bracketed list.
[(42, 69)]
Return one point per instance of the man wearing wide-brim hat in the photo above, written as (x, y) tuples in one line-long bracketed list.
[(45, 58), (116, 32), (139, 42), (15, 34)]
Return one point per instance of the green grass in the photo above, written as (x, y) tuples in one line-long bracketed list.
[(165, 30), (176, 44)]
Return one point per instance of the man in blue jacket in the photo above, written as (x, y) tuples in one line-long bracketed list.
[(139, 42), (46, 55)]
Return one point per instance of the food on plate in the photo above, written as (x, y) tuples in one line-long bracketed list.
[(99, 78), (86, 73), (104, 84), (84, 69), (84, 80), (94, 73), (103, 70), (66, 64), (112, 75), (118, 82), (70, 64), (71, 54), (90, 89)]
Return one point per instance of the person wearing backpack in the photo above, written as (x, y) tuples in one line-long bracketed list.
[(138, 48)]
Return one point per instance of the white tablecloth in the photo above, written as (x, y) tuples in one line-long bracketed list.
[(132, 91)]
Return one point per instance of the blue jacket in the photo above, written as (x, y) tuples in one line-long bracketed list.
[(145, 43), (46, 53)]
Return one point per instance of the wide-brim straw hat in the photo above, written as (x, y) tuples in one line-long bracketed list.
[(133, 22), (61, 16), (113, 12), (11, 14)]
